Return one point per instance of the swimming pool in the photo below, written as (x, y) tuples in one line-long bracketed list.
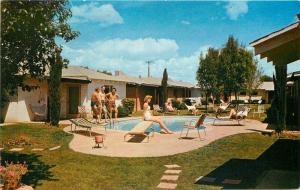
[(174, 123)]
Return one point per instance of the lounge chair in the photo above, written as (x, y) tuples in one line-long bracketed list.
[(192, 108), (195, 124), (222, 108), (140, 129), (242, 113), (84, 123)]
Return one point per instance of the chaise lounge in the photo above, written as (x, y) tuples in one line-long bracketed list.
[(140, 129), (242, 113), (84, 123)]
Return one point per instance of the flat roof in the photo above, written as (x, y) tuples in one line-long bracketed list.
[(78, 71), (267, 85)]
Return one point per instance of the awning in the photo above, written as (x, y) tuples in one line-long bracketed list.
[(79, 80)]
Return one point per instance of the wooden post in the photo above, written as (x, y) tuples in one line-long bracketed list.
[(281, 78), (155, 100), (136, 98)]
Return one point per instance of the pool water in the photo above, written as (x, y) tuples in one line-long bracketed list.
[(173, 123)]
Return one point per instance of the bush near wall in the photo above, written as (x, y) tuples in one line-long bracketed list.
[(129, 104), (182, 106), (123, 111), (178, 105), (237, 102), (175, 103)]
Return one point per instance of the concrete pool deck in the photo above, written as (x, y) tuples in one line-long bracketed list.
[(159, 144)]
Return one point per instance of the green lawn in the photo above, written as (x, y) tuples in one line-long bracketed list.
[(66, 169)]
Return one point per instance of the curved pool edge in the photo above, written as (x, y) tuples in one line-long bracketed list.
[(159, 146)]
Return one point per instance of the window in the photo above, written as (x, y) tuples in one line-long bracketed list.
[(254, 93), (108, 88), (243, 93)]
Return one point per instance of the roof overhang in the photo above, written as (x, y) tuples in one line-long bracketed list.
[(79, 80), (281, 47)]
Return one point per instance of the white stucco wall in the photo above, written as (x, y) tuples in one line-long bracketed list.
[(19, 109)]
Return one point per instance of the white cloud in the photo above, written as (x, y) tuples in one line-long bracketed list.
[(185, 22), (105, 14), (143, 48), (129, 56), (236, 8)]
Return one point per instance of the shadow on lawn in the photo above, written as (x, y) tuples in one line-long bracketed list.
[(37, 170), (277, 167)]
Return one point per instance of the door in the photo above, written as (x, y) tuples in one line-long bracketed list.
[(73, 99)]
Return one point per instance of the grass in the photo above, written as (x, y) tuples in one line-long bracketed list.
[(66, 169)]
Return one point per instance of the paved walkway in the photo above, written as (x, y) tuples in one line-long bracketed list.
[(160, 144)]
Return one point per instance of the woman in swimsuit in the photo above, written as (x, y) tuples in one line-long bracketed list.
[(149, 117)]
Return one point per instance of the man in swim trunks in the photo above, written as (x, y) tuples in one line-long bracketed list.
[(103, 100), (112, 97), (94, 102)]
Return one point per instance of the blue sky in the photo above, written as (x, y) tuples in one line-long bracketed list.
[(124, 35)]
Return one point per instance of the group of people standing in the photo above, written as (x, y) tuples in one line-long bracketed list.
[(101, 100)]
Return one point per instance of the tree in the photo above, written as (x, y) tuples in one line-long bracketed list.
[(207, 73), (229, 61), (164, 85), (235, 62), (265, 78), (29, 49), (253, 78), (276, 114)]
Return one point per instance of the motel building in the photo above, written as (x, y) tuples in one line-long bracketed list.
[(77, 86)]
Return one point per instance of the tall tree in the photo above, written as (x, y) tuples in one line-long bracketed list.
[(29, 48), (266, 78), (164, 85), (207, 73), (234, 68)]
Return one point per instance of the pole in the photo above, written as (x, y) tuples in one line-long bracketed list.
[(148, 62), (148, 68)]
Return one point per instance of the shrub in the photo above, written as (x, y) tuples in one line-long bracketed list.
[(182, 106), (237, 101), (203, 101), (123, 111), (187, 102), (217, 101), (11, 175), (175, 103), (129, 104)]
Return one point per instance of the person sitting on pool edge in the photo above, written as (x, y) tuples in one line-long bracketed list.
[(149, 117)]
